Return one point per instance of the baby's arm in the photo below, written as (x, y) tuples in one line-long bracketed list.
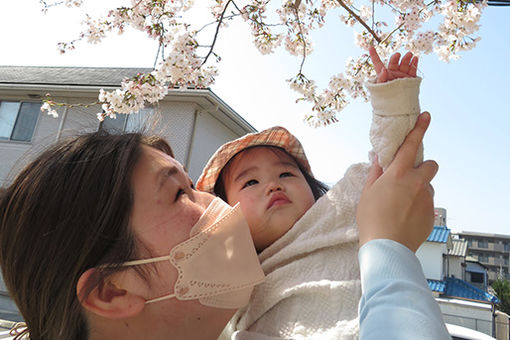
[(394, 96)]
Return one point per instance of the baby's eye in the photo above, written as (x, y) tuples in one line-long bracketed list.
[(286, 174), (250, 183)]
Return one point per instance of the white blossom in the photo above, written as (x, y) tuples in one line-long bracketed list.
[(292, 25)]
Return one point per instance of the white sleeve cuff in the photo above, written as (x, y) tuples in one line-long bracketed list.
[(396, 97)]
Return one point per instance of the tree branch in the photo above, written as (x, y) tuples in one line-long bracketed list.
[(220, 20), (361, 21), (296, 11)]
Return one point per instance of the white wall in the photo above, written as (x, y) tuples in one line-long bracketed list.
[(456, 269), (175, 123), (473, 315), (430, 255), (172, 120), (209, 134)]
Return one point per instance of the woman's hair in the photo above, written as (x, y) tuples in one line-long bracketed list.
[(66, 212), (318, 188)]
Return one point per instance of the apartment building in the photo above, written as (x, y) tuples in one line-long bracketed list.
[(491, 250)]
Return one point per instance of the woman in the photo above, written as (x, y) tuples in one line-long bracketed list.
[(94, 201), (76, 219)]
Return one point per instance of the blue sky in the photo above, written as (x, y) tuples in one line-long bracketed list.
[(468, 99)]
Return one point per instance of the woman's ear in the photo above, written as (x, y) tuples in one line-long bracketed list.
[(106, 299)]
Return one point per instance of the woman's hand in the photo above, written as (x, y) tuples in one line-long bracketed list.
[(398, 204)]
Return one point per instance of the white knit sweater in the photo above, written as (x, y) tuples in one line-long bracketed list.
[(312, 285)]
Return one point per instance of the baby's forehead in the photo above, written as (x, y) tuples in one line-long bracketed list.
[(262, 151)]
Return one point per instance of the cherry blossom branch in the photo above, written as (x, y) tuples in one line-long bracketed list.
[(296, 11), (402, 24), (220, 21), (361, 21), (184, 67)]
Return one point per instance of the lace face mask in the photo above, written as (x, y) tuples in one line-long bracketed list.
[(218, 264)]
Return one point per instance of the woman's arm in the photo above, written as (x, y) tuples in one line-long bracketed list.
[(395, 215)]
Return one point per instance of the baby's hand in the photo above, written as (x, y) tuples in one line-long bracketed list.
[(406, 69)]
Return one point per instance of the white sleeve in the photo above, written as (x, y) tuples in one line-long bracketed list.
[(395, 107), (396, 302)]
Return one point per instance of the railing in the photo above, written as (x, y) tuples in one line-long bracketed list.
[(480, 325)]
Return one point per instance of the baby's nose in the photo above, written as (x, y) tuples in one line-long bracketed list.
[(274, 186)]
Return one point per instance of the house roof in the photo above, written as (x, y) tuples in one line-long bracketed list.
[(78, 76), (36, 81), (436, 286), (439, 234), (459, 248), (465, 290)]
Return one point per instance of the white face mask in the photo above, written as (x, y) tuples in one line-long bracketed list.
[(218, 264)]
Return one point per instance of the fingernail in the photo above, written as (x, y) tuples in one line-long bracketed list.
[(425, 116)]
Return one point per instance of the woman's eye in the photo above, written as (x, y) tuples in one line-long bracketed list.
[(286, 174), (179, 193), (250, 183)]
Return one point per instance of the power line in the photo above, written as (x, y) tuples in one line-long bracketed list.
[(499, 2)]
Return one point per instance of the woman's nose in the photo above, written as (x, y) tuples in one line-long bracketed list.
[(203, 198)]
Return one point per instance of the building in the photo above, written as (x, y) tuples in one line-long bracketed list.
[(448, 273), (432, 253), (195, 122), (491, 250), (440, 217), (456, 259)]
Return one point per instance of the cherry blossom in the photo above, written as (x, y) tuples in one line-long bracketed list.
[(191, 60)]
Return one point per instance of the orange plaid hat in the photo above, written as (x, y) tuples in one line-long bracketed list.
[(275, 136)]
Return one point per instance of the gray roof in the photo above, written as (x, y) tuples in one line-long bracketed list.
[(465, 234), (459, 248), (79, 76)]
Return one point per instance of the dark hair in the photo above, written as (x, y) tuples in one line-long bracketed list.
[(66, 212), (318, 188)]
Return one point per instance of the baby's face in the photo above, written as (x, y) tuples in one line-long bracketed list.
[(272, 191)]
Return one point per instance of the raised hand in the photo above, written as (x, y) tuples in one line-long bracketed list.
[(398, 204), (395, 70)]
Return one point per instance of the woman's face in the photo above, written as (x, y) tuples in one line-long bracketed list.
[(165, 209)]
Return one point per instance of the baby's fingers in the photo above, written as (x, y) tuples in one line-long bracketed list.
[(405, 62), (393, 64), (376, 60), (414, 66)]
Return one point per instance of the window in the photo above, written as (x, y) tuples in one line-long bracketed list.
[(507, 246), (506, 261), (127, 122), (477, 277), (483, 258), (483, 244), (3, 289), (17, 120), (470, 243)]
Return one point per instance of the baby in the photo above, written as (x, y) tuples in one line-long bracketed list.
[(307, 241)]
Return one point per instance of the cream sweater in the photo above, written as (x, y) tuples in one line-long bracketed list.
[(312, 287)]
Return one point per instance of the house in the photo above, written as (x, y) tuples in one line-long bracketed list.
[(444, 264), (195, 122), (476, 273), (456, 259), (432, 253)]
